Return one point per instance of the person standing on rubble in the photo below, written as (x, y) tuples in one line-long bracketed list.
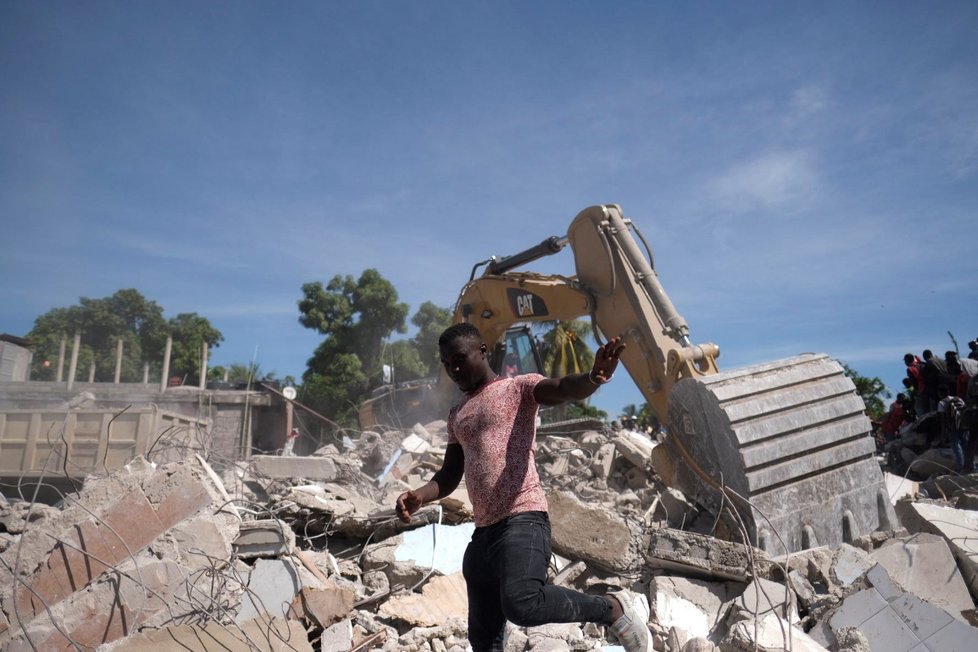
[(491, 434)]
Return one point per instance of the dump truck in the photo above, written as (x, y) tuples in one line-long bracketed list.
[(781, 451)]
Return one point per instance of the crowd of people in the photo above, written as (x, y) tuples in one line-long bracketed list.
[(945, 392)]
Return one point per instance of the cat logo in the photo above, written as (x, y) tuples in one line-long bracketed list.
[(526, 304)]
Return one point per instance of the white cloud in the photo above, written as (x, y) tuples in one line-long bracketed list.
[(775, 179)]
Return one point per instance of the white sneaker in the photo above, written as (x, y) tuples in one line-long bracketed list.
[(632, 629)]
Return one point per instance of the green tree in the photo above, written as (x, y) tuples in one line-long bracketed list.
[(127, 314), (871, 390), (406, 362), (356, 316), (190, 331), (431, 322)]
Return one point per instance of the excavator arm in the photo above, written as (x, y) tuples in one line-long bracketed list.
[(616, 287)]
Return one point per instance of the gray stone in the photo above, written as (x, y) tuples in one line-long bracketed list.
[(281, 467), (592, 534), (923, 565)]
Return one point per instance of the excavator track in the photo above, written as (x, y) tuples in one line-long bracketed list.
[(789, 445)]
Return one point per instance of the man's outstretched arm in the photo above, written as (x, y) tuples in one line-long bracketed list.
[(442, 483), (576, 387)]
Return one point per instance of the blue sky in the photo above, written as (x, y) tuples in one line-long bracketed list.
[(807, 174)]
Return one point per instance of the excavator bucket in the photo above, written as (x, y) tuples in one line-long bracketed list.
[(787, 444)]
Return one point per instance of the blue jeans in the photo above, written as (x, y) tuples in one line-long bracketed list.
[(505, 569), (959, 441)]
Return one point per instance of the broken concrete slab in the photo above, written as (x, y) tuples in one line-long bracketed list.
[(957, 527), (280, 467), (271, 587), (896, 621), (441, 598), (590, 533), (277, 635), (119, 522), (264, 538), (322, 607), (849, 564), (923, 565), (703, 556), (768, 634), (440, 547), (696, 606)]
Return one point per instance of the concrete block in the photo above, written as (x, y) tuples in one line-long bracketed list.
[(312, 468), (924, 565), (634, 447), (957, 527), (593, 534), (703, 556)]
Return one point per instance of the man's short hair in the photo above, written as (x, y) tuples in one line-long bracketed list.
[(456, 331)]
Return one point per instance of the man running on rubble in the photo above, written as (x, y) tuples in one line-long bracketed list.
[(491, 434)]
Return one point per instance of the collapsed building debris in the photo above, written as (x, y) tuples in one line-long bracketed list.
[(304, 553)]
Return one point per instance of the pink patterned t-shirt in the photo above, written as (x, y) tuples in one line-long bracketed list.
[(496, 428)]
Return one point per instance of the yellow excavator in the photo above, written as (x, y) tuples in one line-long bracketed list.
[(785, 444)]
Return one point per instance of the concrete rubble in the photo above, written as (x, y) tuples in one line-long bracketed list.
[(304, 553)]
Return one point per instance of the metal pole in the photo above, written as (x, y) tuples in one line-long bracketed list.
[(91, 373), (73, 365), (118, 361), (61, 358), (203, 365), (146, 373), (166, 363)]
